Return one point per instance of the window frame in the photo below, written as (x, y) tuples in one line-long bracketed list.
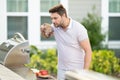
[(105, 25)]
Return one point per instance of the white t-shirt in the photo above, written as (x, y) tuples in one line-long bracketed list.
[(70, 54)]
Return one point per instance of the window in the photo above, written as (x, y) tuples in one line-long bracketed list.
[(17, 5), (114, 28), (114, 6), (17, 24), (46, 4), (45, 19), (114, 20)]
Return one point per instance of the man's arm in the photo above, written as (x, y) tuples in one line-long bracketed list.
[(85, 44)]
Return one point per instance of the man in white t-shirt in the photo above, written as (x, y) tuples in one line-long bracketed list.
[(73, 46)]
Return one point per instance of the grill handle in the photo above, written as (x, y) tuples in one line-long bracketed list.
[(18, 37), (25, 50)]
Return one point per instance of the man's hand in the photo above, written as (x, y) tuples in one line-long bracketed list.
[(46, 30)]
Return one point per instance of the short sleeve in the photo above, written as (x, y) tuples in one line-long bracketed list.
[(82, 34)]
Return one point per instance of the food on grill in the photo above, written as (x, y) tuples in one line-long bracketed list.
[(46, 30)]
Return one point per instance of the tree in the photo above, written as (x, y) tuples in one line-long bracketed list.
[(93, 24)]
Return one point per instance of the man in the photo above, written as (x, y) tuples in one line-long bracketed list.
[(74, 50)]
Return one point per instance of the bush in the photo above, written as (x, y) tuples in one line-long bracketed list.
[(93, 24), (104, 61), (46, 60)]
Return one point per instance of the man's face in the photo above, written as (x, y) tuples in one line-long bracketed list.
[(57, 20)]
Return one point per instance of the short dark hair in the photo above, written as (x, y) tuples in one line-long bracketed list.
[(58, 9)]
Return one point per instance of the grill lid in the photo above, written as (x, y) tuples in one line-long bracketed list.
[(13, 52)]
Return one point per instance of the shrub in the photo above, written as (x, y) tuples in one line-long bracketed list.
[(46, 60), (104, 61)]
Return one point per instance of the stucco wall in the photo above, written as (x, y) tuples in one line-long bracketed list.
[(78, 9)]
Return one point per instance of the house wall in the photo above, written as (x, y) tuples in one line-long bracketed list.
[(72, 6), (78, 9)]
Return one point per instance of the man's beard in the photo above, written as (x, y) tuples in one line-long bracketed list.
[(59, 25), (56, 25)]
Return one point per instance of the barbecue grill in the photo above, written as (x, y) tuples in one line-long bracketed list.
[(14, 54)]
